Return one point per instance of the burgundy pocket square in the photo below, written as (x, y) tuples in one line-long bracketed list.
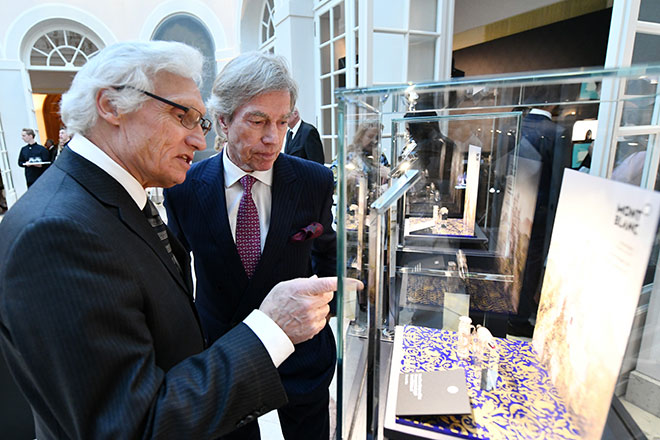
[(310, 231)]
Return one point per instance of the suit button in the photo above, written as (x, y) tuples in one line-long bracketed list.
[(241, 424), (249, 418)]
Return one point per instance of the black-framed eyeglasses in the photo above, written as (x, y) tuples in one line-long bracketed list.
[(190, 118)]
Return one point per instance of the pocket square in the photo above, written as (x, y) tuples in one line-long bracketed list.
[(310, 231)]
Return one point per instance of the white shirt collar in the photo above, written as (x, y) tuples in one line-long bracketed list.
[(84, 147), (538, 111), (233, 173), (296, 127)]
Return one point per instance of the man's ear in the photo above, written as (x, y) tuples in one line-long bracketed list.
[(106, 108), (223, 124)]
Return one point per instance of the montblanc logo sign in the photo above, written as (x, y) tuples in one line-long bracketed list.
[(629, 217)]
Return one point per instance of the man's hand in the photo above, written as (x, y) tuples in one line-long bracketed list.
[(300, 306)]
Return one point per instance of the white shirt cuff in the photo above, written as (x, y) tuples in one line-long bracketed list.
[(277, 343)]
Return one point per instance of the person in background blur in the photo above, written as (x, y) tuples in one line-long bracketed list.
[(52, 150), (32, 156), (64, 139), (303, 140)]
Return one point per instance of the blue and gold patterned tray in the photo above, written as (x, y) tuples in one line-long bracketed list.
[(523, 405)]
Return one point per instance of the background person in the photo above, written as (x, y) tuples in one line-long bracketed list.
[(31, 156), (64, 138), (303, 139)]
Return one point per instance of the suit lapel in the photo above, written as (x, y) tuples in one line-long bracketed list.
[(210, 195), (285, 195), (297, 140), (110, 192)]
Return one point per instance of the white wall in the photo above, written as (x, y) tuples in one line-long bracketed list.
[(16, 113), (294, 31), (22, 22)]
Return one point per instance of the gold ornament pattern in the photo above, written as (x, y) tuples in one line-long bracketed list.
[(523, 405)]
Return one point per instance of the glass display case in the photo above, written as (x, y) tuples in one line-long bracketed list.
[(447, 195)]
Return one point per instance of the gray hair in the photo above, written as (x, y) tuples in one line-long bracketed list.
[(246, 76), (131, 64)]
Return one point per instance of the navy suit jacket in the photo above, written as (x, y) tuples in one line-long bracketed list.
[(301, 194), (306, 144), (34, 150), (553, 145), (99, 329)]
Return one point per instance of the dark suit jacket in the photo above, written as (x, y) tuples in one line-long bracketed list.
[(34, 150), (306, 144), (106, 343), (301, 194), (552, 148)]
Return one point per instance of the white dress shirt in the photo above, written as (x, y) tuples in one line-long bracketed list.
[(261, 194), (277, 343), (293, 131), (538, 111)]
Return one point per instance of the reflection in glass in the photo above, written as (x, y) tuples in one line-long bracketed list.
[(421, 56), (326, 115), (418, 266), (325, 59), (649, 10), (338, 20), (423, 15), (326, 91), (645, 50), (324, 23), (340, 53), (630, 155)]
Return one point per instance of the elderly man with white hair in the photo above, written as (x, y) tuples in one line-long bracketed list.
[(108, 343)]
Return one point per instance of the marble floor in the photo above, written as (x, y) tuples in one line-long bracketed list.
[(647, 422)]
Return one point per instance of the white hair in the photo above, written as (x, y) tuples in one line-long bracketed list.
[(124, 64), (246, 76)]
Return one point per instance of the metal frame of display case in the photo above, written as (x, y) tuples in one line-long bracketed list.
[(371, 240)]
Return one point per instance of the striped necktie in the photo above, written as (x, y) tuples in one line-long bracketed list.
[(151, 212), (248, 234)]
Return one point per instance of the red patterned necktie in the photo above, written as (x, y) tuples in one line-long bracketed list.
[(248, 236)]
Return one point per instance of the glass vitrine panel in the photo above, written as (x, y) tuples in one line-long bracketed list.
[(447, 195)]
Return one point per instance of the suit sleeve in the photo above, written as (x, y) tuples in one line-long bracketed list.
[(45, 154), (21, 158), (314, 146), (76, 337)]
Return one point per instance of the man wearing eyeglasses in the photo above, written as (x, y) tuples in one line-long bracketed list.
[(108, 344)]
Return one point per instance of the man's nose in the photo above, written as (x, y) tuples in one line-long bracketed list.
[(271, 135), (196, 139)]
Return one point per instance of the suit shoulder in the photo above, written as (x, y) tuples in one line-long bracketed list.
[(197, 171), (199, 168)]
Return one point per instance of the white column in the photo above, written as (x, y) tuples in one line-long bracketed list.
[(16, 112), (294, 39)]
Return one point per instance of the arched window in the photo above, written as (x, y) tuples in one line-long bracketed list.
[(267, 28), (190, 30), (61, 48)]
